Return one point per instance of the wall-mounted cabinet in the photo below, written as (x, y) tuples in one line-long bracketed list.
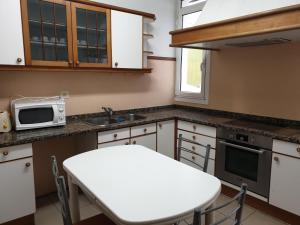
[(71, 35), (11, 38), (47, 33), (127, 40), (91, 36)]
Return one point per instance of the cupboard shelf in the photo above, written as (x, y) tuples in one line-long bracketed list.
[(48, 43), (38, 23), (90, 29)]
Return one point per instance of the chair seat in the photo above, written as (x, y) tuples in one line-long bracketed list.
[(100, 219)]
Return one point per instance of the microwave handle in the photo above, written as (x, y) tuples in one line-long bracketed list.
[(55, 110), (243, 148)]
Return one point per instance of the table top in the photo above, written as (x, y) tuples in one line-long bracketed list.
[(137, 185)]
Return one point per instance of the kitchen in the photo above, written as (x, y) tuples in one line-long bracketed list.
[(252, 93)]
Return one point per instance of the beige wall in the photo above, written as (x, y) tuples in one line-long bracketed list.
[(262, 81), (90, 91)]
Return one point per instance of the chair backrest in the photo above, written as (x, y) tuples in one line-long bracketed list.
[(203, 166), (236, 212), (61, 193)]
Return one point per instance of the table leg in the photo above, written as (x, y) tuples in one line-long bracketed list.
[(210, 218), (74, 201)]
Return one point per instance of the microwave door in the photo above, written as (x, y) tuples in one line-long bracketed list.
[(35, 117)]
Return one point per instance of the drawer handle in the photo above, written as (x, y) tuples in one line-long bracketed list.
[(298, 150), (28, 164), (194, 148), (115, 135), (5, 153), (276, 159), (193, 158), (127, 143), (194, 127), (134, 142), (160, 125), (194, 137), (145, 130)]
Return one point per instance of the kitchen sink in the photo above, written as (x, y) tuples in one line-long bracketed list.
[(106, 121)]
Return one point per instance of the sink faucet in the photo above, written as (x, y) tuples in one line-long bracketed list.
[(109, 111)]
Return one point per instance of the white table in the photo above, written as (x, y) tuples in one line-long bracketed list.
[(135, 185)]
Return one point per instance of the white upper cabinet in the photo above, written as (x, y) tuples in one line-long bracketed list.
[(11, 38), (127, 40)]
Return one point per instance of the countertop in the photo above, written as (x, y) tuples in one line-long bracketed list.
[(76, 125)]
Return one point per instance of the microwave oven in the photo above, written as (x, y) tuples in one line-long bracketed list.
[(39, 112)]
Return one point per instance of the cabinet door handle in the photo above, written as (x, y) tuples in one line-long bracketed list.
[(116, 64), (19, 60), (115, 135), (276, 159), (160, 125), (28, 164), (127, 143), (134, 142), (298, 150), (5, 153), (145, 130), (194, 127)]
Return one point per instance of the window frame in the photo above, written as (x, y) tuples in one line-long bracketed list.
[(181, 96)]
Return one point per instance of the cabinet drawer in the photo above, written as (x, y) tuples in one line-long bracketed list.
[(17, 190), (113, 135), (143, 129), (199, 149), (286, 148), (204, 140), (197, 128), (199, 160), (15, 152), (114, 143)]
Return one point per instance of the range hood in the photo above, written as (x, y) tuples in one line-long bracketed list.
[(242, 23)]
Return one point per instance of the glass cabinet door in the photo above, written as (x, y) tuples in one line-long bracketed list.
[(91, 36), (47, 32)]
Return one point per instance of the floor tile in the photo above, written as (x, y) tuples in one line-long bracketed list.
[(259, 218), (48, 215), (223, 199)]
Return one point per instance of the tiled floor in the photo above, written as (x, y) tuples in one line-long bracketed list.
[(48, 213)]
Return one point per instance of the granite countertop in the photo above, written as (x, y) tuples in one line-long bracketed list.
[(76, 125)]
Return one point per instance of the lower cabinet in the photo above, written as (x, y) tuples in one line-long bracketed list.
[(285, 183), (148, 141), (166, 138), (17, 195)]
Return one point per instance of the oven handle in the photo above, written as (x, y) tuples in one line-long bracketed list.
[(243, 148)]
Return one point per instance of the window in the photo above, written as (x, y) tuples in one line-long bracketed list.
[(192, 64)]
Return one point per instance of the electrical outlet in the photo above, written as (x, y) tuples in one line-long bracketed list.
[(65, 94)]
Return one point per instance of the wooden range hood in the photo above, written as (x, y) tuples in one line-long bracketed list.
[(265, 28)]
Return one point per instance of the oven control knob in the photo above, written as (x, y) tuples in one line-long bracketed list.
[(61, 118)]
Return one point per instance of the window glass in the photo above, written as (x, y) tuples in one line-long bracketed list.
[(191, 73), (185, 3)]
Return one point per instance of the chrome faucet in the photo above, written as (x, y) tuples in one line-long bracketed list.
[(109, 111)]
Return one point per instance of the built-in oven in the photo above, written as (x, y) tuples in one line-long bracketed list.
[(243, 157)]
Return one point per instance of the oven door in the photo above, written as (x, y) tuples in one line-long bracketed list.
[(36, 117), (239, 164)]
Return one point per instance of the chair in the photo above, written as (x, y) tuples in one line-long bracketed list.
[(236, 212), (63, 199), (205, 156)]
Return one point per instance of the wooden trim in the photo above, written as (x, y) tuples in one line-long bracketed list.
[(112, 7), (272, 21), (161, 58), (26, 35), (67, 69), (264, 207), (74, 6), (194, 47), (26, 220)]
